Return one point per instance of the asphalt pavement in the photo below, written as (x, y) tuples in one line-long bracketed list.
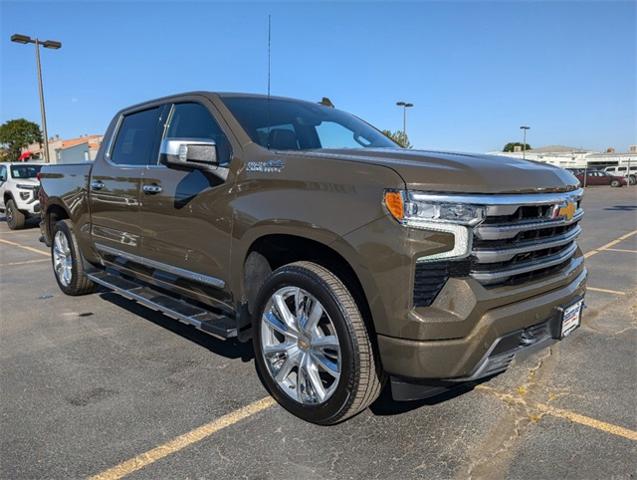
[(100, 386)]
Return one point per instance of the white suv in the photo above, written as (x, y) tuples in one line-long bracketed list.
[(624, 172), (19, 192)]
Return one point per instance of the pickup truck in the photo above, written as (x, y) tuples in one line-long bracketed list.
[(18, 192), (349, 262)]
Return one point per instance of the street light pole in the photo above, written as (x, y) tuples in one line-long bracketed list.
[(405, 106), (24, 39), (524, 128)]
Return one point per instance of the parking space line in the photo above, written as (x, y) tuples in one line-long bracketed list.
[(619, 250), (30, 249), (561, 413), (609, 244), (26, 262), (182, 441), (605, 290)]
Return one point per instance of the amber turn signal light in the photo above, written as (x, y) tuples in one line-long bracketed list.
[(395, 205)]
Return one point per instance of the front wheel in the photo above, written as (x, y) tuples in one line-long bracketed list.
[(67, 261), (312, 347), (615, 183), (15, 218)]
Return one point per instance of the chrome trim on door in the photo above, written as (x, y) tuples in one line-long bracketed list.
[(180, 272)]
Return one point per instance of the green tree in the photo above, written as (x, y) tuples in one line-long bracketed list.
[(16, 135), (399, 137), (510, 147)]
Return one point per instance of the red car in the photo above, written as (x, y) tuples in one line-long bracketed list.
[(599, 177)]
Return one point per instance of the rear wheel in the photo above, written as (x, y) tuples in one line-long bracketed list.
[(632, 180), (312, 347), (67, 261), (15, 218)]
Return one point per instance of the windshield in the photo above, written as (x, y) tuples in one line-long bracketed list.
[(25, 171), (279, 124)]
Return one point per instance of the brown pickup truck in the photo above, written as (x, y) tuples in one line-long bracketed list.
[(347, 260)]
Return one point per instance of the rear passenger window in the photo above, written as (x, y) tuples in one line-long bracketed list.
[(136, 141), (193, 120)]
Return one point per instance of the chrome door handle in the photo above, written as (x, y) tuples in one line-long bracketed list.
[(151, 189), (97, 185)]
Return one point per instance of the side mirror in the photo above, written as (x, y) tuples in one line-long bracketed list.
[(188, 152)]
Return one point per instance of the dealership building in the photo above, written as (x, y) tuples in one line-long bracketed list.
[(571, 157)]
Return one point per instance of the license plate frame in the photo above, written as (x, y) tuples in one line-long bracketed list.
[(570, 318)]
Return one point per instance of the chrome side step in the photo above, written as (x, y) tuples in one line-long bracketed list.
[(199, 318)]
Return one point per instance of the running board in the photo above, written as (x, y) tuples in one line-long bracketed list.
[(204, 320)]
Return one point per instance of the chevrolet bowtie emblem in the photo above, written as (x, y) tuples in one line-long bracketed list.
[(564, 210)]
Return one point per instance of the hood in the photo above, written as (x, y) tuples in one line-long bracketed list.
[(461, 172), (27, 181)]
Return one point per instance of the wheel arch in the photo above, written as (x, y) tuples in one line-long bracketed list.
[(271, 249)]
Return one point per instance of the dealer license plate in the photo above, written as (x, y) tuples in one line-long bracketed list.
[(571, 318)]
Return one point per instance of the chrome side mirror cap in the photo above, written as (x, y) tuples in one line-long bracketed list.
[(188, 152)]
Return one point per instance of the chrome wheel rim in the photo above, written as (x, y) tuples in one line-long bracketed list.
[(9, 214), (62, 259), (300, 346)]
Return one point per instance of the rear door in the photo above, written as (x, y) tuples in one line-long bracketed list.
[(186, 211), (116, 182)]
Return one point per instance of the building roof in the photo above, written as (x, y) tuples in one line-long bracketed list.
[(557, 149)]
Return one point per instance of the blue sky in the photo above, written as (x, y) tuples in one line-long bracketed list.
[(475, 70)]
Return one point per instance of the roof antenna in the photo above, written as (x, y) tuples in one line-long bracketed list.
[(269, 69)]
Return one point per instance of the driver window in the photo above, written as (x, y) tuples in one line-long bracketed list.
[(3, 174), (193, 120)]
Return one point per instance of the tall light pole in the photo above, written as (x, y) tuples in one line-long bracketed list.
[(524, 128), (24, 39), (405, 106)]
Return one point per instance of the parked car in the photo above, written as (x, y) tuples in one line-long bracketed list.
[(18, 192), (600, 177), (346, 259), (624, 171)]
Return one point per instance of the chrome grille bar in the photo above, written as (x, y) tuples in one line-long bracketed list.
[(503, 254), (499, 275), (510, 230)]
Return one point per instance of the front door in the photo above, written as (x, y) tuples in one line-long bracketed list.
[(186, 213), (116, 182)]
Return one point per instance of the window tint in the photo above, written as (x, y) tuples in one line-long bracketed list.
[(193, 120), (3, 173), (136, 141), (314, 126), (25, 171)]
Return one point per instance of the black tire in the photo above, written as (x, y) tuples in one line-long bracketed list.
[(79, 284), (632, 180), (361, 377), (15, 218), (615, 183)]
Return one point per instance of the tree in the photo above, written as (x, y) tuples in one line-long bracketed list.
[(399, 137), (16, 135), (510, 147)]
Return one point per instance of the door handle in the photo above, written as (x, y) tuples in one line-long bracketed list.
[(151, 189), (97, 184)]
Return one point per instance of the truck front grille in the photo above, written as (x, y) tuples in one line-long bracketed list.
[(523, 238), (520, 242)]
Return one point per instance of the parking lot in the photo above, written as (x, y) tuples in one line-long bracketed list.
[(99, 386)]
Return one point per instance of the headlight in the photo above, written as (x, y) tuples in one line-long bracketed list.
[(437, 213), (413, 208)]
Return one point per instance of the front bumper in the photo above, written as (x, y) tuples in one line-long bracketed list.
[(481, 352)]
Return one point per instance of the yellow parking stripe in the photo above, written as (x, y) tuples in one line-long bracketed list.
[(26, 262), (609, 244), (605, 290), (183, 441), (619, 250), (561, 413), (588, 421), (30, 249)]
